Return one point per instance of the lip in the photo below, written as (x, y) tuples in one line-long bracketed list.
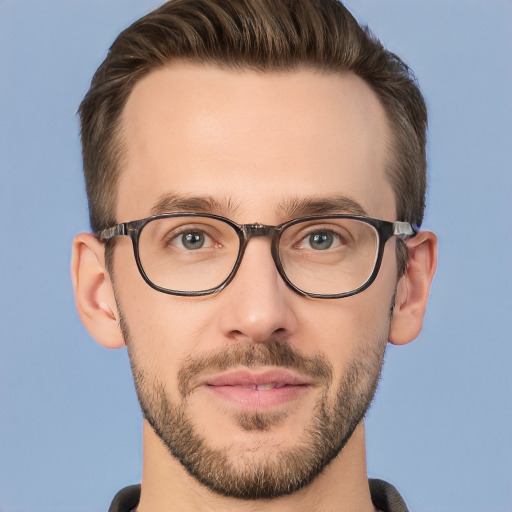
[(257, 390)]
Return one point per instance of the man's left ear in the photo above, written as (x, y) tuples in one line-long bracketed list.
[(413, 288)]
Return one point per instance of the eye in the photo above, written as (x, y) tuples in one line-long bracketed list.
[(191, 240), (321, 240)]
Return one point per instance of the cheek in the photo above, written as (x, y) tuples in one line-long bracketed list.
[(163, 330), (341, 328)]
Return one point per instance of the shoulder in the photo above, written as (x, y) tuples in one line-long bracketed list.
[(126, 499), (385, 496)]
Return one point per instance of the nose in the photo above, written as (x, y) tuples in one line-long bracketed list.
[(257, 304)]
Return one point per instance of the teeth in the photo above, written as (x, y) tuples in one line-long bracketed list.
[(261, 387), (264, 387)]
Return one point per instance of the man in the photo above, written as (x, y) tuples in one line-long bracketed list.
[(256, 178)]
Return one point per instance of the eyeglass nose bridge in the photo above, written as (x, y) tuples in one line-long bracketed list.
[(259, 230), (256, 230), (262, 230)]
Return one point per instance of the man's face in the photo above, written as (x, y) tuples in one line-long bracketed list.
[(254, 389)]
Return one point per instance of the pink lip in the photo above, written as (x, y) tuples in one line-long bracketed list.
[(252, 390)]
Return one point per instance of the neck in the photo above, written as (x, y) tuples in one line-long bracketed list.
[(343, 485)]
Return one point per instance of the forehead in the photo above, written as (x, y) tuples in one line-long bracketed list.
[(253, 140)]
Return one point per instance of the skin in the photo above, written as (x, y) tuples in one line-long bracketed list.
[(253, 142)]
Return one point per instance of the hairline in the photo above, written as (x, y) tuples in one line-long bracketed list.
[(118, 144)]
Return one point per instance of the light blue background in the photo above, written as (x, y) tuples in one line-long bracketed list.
[(441, 426)]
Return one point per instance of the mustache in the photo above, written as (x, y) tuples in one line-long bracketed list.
[(274, 352)]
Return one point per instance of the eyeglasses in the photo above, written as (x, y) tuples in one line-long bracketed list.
[(324, 256)]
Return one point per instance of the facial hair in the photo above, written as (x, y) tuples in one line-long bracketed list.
[(333, 420)]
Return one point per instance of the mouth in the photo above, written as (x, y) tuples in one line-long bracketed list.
[(251, 390)]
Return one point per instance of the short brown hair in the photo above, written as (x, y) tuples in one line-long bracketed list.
[(263, 35)]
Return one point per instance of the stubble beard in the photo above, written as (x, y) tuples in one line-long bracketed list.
[(278, 473)]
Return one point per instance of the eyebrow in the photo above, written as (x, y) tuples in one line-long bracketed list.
[(172, 203), (305, 206), (290, 209)]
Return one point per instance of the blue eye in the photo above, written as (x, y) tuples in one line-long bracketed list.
[(321, 240), (192, 240), (187, 238)]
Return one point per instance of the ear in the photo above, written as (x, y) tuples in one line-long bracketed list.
[(94, 293), (413, 288)]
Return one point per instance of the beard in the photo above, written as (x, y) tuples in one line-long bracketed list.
[(339, 409)]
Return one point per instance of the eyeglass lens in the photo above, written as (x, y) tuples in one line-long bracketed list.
[(321, 256)]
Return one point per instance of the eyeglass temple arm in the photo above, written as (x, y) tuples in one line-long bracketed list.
[(399, 229), (404, 229), (109, 233)]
